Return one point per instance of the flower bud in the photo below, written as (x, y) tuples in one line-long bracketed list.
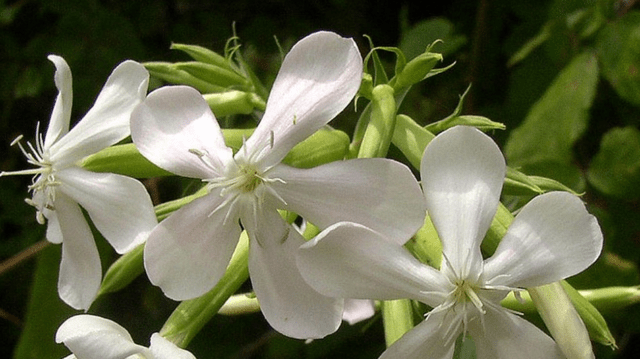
[(233, 102), (416, 70)]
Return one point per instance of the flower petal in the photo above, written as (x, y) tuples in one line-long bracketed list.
[(378, 193), (318, 78), (357, 310), (423, 341), (462, 172), (348, 260), (505, 335), (164, 349), (61, 114), (107, 122), (187, 253), (54, 233), (288, 303), (80, 270), (171, 123), (119, 206), (92, 337), (552, 238)]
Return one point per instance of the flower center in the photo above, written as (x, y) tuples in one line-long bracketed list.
[(43, 185)]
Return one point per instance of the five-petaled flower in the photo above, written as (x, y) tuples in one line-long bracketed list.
[(462, 170), (119, 206), (92, 337), (187, 253)]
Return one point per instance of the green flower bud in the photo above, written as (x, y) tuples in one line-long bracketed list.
[(234, 102), (212, 74), (416, 70), (562, 320), (170, 73), (203, 54), (379, 132)]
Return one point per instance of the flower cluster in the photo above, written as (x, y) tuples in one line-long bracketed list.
[(366, 209)]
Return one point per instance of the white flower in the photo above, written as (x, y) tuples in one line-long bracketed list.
[(188, 252), (92, 337), (119, 206), (553, 237)]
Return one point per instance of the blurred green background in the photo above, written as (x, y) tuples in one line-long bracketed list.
[(563, 76)]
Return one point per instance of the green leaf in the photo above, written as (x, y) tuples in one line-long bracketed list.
[(415, 40), (558, 118), (615, 170), (45, 311), (618, 46)]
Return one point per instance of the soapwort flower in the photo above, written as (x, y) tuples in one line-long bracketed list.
[(119, 206), (91, 337), (553, 237), (187, 253)]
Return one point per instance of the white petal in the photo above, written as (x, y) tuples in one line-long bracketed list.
[(61, 114), (318, 78), (80, 270), (187, 253), (357, 310), (164, 349), (119, 206), (288, 303), (54, 233), (92, 337), (173, 121), (423, 341), (378, 193), (553, 237), (508, 336), (107, 122), (348, 260), (462, 172)]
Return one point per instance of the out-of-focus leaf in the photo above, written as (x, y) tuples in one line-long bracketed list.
[(618, 47), (45, 312), (558, 118), (415, 40), (615, 170)]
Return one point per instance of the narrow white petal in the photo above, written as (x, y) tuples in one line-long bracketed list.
[(508, 336), (423, 341), (80, 270), (348, 260), (357, 310), (553, 237), (107, 122), (164, 349), (462, 172), (318, 78), (92, 337), (171, 123), (61, 114), (378, 193), (288, 303), (187, 253), (54, 233), (119, 206)]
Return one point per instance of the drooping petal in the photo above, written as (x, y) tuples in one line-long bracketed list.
[(61, 114), (553, 237), (187, 253), (54, 233), (357, 310), (462, 172), (170, 124), (318, 78), (92, 337), (288, 303), (119, 206), (348, 260), (80, 270), (164, 349), (107, 122), (378, 193), (423, 341), (505, 335)]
